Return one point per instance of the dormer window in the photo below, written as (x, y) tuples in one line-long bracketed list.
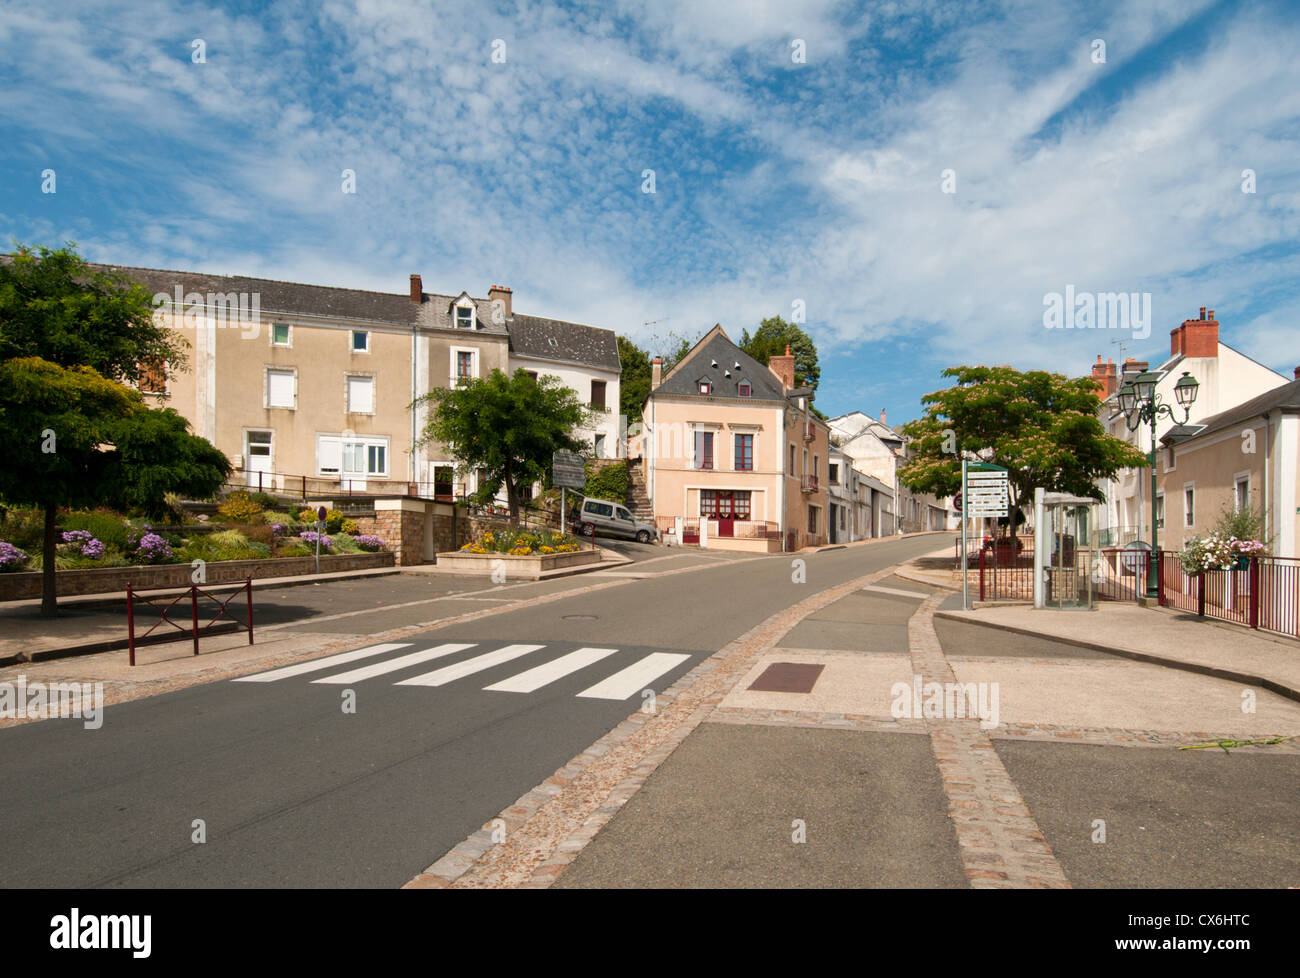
[(744, 390), (464, 317), (706, 387)]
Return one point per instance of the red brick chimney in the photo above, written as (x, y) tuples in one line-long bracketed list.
[(783, 366), (1107, 377), (1196, 337), (1132, 366), (656, 372), (882, 417), (502, 294), (1296, 372), (417, 289)]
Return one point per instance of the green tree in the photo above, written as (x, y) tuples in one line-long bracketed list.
[(507, 426), (73, 438), (771, 338), (634, 381), (53, 305), (1042, 427)]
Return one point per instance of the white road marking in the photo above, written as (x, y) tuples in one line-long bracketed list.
[(440, 677), (533, 679), (627, 682), (392, 665), (881, 589), (316, 664)]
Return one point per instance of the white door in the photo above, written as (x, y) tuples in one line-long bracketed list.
[(354, 466), (258, 467)]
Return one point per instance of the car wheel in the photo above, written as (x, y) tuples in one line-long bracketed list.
[(643, 536)]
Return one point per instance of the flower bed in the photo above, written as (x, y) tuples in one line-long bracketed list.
[(515, 542), (1217, 552)]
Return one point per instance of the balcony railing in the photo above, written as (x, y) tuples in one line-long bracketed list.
[(808, 483)]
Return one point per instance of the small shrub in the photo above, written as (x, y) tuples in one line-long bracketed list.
[(306, 515), (23, 527), (309, 537), (350, 527), (278, 516), (343, 543), (240, 507), (80, 543), (105, 526), (334, 521), (368, 542)]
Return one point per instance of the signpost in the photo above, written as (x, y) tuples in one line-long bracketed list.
[(568, 471), (985, 491), (320, 528)]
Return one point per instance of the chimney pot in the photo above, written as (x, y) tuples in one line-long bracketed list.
[(1296, 372), (656, 372), (1202, 312), (503, 295), (417, 289), (882, 416)]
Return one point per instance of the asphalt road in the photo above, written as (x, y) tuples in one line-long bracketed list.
[(291, 790)]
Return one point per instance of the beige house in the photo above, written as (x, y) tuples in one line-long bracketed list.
[(1225, 378), (309, 388), (731, 448), (1247, 457)]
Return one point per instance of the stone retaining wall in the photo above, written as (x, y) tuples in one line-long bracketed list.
[(108, 580)]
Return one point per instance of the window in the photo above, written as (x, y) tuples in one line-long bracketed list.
[(1242, 495), (280, 389), (600, 446), (833, 474), (1189, 506), (353, 457), (706, 388), (598, 394), (361, 395), (744, 390), (841, 517), (464, 364), (153, 377), (464, 317), (280, 334), (812, 519), (1160, 511), (360, 341), (704, 449), (532, 374), (744, 453), (790, 470), (725, 504), (624, 515), (598, 509)]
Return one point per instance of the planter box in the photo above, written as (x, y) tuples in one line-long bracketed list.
[(107, 580), (516, 568)]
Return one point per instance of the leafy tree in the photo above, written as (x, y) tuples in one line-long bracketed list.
[(508, 426), (1042, 427), (73, 438), (634, 382), (771, 338), (54, 306)]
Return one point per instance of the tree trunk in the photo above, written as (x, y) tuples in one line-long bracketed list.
[(512, 500), (49, 606)]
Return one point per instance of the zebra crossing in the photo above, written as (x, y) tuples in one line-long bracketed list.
[(365, 664)]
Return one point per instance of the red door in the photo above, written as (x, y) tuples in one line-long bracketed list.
[(726, 514)]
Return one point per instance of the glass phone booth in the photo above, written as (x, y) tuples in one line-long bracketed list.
[(1062, 552)]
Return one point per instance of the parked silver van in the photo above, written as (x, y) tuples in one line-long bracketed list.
[(612, 519)]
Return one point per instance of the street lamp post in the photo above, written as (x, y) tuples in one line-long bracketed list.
[(1141, 404)]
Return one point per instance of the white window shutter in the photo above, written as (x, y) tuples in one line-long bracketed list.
[(279, 388), (361, 394), (329, 455)]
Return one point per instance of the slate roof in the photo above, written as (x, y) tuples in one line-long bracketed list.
[(291, 299), (1286, 397), (553, 339), (684, 378)]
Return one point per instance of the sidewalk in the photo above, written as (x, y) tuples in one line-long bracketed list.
[(1161, 636)]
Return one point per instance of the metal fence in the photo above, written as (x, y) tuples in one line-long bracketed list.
[(315, 486), (1262, 593)]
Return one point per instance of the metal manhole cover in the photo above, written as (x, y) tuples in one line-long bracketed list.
[(788, 677)]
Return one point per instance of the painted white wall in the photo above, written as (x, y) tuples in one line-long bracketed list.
[(578, 378)]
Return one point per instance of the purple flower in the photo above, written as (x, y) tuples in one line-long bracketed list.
[(153, 549), (367, 541), (310, 537), (11, 557), (81, 542)]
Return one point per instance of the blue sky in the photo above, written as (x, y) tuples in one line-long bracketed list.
[(776, 182)]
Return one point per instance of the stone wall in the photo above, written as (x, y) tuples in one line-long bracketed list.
[(110, 580)]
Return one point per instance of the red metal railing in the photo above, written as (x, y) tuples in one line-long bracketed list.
[(194, 593), (1006, 576), (1265, 594), (809, 483)]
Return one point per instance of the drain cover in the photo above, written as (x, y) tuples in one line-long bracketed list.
[(581, 618), (788, 677)]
